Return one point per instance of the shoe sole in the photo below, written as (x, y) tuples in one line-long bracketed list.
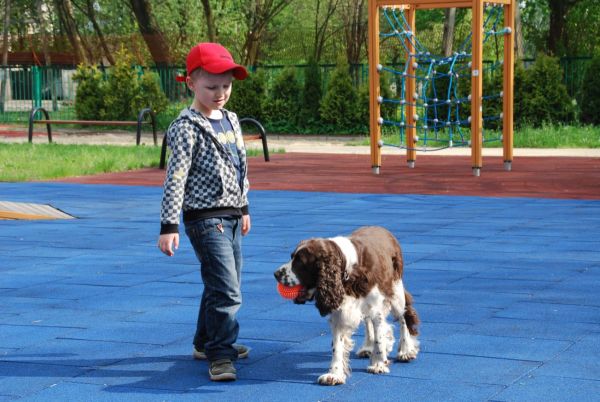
[(223, 377)]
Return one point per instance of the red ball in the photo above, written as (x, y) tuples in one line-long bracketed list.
[(290, 292)]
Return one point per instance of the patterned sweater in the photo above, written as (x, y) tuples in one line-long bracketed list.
[(200, 174)]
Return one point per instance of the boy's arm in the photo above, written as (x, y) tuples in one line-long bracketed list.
[(181, 141)]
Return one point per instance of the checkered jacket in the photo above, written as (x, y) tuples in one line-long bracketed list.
[(200, 174)]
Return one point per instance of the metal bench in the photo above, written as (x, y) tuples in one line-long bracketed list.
[(139, 123)]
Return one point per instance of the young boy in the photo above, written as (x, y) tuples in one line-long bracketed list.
[(207, 179)]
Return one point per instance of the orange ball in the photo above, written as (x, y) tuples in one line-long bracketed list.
[(290, 292)]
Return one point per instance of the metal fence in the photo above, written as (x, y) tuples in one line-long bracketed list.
[(23, 88)]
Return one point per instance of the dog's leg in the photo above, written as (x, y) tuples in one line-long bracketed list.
[(384, 339), (341, 330), (408, 344), (367, 347)]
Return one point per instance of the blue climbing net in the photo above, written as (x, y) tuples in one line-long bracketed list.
[(442, 97)]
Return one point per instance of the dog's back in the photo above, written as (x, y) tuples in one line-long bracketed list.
[(381, 242)]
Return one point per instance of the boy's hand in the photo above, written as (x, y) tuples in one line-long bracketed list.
[(246, 224), (166, 241)]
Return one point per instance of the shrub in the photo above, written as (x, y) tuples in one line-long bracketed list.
[(340, 103), (590, 99), (90, 95), (281, 106), (247, 96), (492, 103), (123, 94), (119, 96), (151, 94), (389, 111), (518, 88), (544, 96), (311, 95)]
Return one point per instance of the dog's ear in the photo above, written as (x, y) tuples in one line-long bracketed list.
[(330, 289)]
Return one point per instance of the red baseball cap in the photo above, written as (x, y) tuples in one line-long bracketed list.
[(215, 59)]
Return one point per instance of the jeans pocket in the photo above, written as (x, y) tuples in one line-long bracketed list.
[(201, 227)]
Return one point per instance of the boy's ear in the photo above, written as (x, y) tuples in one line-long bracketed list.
[(189, 82)]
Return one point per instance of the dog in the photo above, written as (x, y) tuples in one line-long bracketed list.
[(352, 279)]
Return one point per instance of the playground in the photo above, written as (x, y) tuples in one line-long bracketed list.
[(501, 246), (506, 285)]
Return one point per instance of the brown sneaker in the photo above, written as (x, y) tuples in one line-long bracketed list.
[(222, 370), (243, 352)]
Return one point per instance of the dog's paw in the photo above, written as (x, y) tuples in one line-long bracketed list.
[(364, 352), (332, 379), (378, 368), (407, 355)]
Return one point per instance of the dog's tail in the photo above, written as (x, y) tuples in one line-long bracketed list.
[(410, 315)]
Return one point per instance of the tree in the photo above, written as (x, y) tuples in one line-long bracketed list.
[(258, 15), (5, 70), (354, 17), (558, 40), (64, 9), (448, 35), (88, 8), (151, 32), (519, 50), (321, 25), (210, 21)]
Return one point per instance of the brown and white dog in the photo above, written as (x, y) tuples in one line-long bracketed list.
[(353, 279)]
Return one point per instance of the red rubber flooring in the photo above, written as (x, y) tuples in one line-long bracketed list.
[(541, 177)]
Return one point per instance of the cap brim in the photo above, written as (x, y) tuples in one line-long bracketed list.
[(239, 72)]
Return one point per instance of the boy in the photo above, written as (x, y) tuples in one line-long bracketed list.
[(207, 179)]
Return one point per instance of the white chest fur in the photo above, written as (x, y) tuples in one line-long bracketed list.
[(348, 250)]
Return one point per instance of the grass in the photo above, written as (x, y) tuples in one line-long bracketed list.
[(26, 162), (545, 137)]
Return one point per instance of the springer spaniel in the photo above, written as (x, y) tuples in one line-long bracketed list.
[(356, 278)]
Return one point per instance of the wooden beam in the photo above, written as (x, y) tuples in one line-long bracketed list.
[(409, 91), (476, 86), (374, 91), (508, 84)]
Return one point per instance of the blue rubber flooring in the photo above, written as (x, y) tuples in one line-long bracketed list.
[(507, 290)]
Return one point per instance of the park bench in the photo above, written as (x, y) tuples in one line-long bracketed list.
[(261, 135), (139, 123)]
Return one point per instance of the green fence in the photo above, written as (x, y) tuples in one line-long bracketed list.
[(25, 87)]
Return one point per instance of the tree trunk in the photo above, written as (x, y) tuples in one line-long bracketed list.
[(5, 70), (258, 16), (557, 34), (321, 25), (519, 50), (91, 14), (355, 28), (448, 36), (153, 36), (64, 9), (50, 81), (210, 21)]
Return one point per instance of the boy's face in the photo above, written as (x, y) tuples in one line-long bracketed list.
[(211, 91)]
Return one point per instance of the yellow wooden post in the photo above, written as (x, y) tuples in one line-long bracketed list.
[(476, 86), (507, 91), (374, 106), (410, 89)]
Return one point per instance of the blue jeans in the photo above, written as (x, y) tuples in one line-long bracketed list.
[(218, 246)]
